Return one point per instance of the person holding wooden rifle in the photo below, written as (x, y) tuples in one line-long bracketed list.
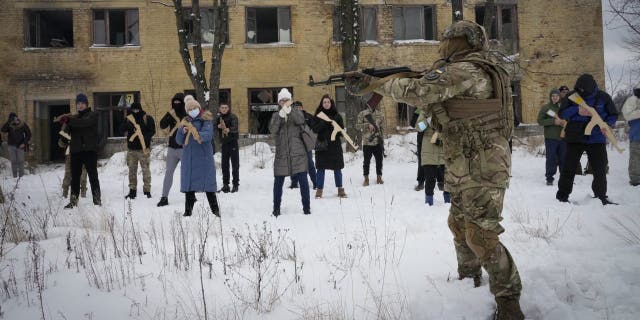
[(328, 152), (371, 123), (555, 148), (83, 130), (227, 129), (170, 121), (65, 143), (140, 128), (594, 142)]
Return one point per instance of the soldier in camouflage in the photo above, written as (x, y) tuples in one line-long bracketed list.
[(468, 94), (371, 123)]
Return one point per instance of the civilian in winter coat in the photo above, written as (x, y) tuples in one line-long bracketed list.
[(308, 119), (227, 130), (372, 137), (19, 135), (555, 148), (578, 142), (328, 153), (291, 156), (419, 136), (174, 151), (198, 170), (432, 160), (83, 129), (135, 152), (631, 112)]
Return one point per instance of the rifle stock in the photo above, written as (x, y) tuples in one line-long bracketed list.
[(336, 129), (596, 120), (191, 131), (137, 134)]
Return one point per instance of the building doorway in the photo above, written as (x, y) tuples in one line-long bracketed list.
[(46, 139)]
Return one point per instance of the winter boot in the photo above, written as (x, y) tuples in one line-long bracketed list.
[(225, 188), (306, 211), (73, 202), (276, 212), (562, 197), (318, 193), (549, 182), (508, 309), (132, 194), (447, 197), (234, 189), (188, 206), (606, 201), (163, 202), (379, 180), (366, 181), (293, 185), (428, 200), (341, 193), (213, 203), (96, 199), (148, 194), (420, 186)]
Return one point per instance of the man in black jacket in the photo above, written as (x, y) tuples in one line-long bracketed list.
[(83, 129), (140, 128), (227, 130), (19, 135), (174, 152)]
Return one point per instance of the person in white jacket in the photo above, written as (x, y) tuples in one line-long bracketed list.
[(631, 112)]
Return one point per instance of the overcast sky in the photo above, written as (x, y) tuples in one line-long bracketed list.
[(616, 56)]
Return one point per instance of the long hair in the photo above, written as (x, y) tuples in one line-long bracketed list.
[(333, 110)]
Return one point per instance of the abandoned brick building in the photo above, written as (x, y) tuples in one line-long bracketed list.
[(124, 50)]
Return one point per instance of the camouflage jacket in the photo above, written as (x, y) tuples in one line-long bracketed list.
[(371, 138), (476, 154)]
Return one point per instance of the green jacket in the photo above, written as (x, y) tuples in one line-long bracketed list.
[(551, 131), (430, 153)]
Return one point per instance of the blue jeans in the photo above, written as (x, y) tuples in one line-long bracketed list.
[(312, 171), (555, 151), (278, 182), (337, 176)]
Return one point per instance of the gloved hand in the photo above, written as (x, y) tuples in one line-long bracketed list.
[(282, 113), (357, 81)]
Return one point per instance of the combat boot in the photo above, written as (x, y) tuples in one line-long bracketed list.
[(508, 309), (420, 186), (96, 199), (132, 194), (318, 193), (341, 193), (225, 188), (163, 202), (379, 180), (234, 189), (366, 181), (188, 206), (73, 202), (148, 194)]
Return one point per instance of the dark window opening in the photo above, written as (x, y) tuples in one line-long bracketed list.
[(49, 28), (502, 26), (207, 22), (112, 111), (404, 112), (457, 12), (269, 25), (368, 18), (414, 23), (115, 27), (262, 104), (516, 94)]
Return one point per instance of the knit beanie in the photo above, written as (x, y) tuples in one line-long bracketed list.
[(586, 85), (81, 97), (284, 94)]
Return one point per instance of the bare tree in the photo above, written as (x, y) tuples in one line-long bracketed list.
[(206, 94), (629, 13)]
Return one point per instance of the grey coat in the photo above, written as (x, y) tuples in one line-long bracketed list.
[(291, 156)]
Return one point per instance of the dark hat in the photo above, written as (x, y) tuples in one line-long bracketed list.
[(586, 85), (296, 104), (563, 88), (81, 97), (555, 91), (136, 105), (178, 96)]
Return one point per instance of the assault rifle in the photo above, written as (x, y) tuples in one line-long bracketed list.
[(191, 131), (596, 120), (336, 128), (138, 134), (375, 72)]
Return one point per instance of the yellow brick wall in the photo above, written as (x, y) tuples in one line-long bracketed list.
[(554, 50)]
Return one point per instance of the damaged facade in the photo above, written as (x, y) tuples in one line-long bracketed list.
[(121, 51)]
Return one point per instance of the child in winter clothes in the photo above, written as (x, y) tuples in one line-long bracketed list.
[(431, 160)]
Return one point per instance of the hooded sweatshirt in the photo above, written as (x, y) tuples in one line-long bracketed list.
[(551, 130), (169, 122)]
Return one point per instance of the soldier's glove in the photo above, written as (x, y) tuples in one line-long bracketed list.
[(357, 81)]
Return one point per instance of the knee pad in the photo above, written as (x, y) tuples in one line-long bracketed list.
[(482, 242)]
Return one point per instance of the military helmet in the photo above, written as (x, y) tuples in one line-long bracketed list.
[(473, 32)]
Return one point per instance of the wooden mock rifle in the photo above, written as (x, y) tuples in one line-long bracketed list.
[(225, 130), (175, 117), (138, 134), (336, 128), (191, 131), (596, 120), (63, 133), (551, 113)]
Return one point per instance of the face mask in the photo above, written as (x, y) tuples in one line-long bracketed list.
[(194, 113)]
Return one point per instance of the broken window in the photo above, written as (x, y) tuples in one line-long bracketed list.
[(368, 24), (207, 20), (269, 25), (48, 28), (112, 111), (262, 104), (414, 23), (503, 25), (115, 27)]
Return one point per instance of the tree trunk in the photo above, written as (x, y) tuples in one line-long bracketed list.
[(221, 16), (350, 36), (490, 12)]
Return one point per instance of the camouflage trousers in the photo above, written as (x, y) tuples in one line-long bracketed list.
[(133, 158), (474, 220), (66, 181), (634, 162)]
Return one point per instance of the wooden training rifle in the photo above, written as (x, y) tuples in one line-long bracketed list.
[(336, 128), (175, 117), (191, 131), (551, 113), (596, 120), (138, 134)]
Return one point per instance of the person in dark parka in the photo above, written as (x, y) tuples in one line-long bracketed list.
[(328, 153), (227, 130)]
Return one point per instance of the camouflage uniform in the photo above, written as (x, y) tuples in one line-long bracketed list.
[(370, 138), (469, 95), (133, 157), (66, 181)]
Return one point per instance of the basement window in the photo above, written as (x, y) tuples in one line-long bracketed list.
[(502, 26), (262, 104), (414, 23), (207, 23), (48, 28), (368, 24), (268, 25), (116, 28), (112, 111)]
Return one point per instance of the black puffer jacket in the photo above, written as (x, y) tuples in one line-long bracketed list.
[(83, 129), (169, 122), (332, 158), (147, 125), (18, 133), (231, 121)]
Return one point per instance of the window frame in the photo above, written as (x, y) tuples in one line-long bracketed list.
[(246, 26), (186, 16), (27, 27), (107, 25), (112, 131), (434, 22), (336, 23), (251, 112), (498, 23)]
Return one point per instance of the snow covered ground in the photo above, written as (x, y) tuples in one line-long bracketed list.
[(379, 254)]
